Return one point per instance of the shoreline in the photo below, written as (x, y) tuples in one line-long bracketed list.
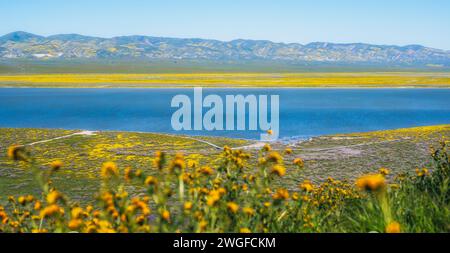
[(283, 140)]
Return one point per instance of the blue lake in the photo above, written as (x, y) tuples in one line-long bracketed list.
[(303, 112)]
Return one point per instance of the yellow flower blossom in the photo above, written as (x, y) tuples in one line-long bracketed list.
[(109, 169), (248, 211), (17, 153), (266, 147), (206, 170), (422, 172), (383, 171), (373, 182), (232, 207), (188, 205), (50, 211), (213, 197), (150, 180), (393, 227), (278, 170), (128, 174), (281, 194), (165, 215), (299, 162), (274, 157), (37, 205), (159, 160), (74, 224), (288, 151), (53, 197), (56, 165), (76, 212), (306, 186), (244, 230)]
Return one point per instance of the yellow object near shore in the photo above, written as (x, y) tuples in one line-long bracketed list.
[(344, 80)]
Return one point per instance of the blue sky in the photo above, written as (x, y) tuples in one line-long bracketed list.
[(397, 22)]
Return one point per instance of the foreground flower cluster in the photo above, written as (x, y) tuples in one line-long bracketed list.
[(235, 196)]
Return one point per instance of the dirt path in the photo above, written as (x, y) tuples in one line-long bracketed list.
[(62, 137), (199, 140), (256, 145)]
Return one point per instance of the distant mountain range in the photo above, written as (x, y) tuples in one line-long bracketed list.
[(23, 45)]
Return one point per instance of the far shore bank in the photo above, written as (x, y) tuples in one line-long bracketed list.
[(446, 86), (231, 80)]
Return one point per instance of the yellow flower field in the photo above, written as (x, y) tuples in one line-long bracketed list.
[(238, 192), (352, 79)]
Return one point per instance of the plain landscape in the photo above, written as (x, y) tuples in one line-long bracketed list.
[(61, 180)]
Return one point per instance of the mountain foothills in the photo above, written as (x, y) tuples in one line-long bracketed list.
[(22, 45)]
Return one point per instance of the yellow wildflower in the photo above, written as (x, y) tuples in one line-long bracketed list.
[(244, 230), (29, 198), (159, 160), (248, 210), (278, 170), (165, 215), (281, 194), (383, 171), (266, 147), (35, 230), (22, 200), (374, 182), (202, 225), (306, 186), (109, 169), (37, 205), (232, 207), (178, 164), (393, 227), (422, 172), (274, 157), (188, 205), (299, 162), (50, 211), (53, 197), (206, 170), (76, 212), (150, 180), (128, 174), (56, 165), (213, 197), (261, 160), (74, 224), (17, 153), (192, 164)]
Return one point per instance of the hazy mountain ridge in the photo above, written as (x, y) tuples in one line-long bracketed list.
[(69, 46)]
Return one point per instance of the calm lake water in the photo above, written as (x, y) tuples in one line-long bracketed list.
[(303, 112)]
